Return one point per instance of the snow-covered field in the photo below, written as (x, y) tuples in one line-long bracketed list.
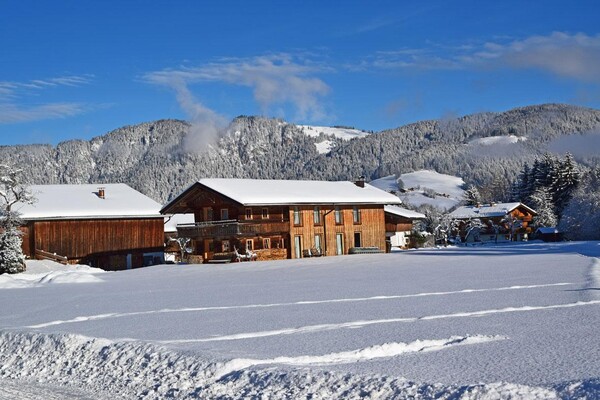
[(325, 146), (514, 321), (445, 191)]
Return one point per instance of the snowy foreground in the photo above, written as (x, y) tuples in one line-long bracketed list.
[(518, 321)]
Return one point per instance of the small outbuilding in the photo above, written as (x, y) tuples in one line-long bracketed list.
[(399, 224), (548, 234)]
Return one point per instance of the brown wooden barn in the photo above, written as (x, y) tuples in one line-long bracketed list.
[(278, 219), (110, 226), (501, 222)]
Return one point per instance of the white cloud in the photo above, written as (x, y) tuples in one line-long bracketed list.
[(275, 80), (13, 111), (573, 56)]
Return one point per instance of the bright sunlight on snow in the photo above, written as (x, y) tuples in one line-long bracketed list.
[(506, 321)]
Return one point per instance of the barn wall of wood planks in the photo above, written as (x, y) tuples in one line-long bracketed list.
[(89, 239)]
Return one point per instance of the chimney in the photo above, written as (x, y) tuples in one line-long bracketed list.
[(360, 182), (100, 192)]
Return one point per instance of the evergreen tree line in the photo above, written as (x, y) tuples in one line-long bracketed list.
[(547, 186)]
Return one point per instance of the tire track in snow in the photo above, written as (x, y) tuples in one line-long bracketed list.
[(297, 303), (370, 353), (360, 324)]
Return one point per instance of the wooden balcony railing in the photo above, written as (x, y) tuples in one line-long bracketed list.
[(232, 228)]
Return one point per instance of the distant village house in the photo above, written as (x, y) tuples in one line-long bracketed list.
[(498, 222)]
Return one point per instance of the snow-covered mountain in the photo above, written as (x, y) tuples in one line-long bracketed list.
[(160, 158)]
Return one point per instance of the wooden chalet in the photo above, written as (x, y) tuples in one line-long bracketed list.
[(278, 219), (500, 222), (399, 223), (110, 226)]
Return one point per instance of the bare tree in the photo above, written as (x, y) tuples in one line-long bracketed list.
[(12, 192)]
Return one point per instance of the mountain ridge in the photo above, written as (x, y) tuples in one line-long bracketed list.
[(153, 157)]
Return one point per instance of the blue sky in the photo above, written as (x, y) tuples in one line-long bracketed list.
[(79, 69)]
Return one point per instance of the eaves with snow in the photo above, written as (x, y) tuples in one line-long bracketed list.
[(403, 212), (85, 202)]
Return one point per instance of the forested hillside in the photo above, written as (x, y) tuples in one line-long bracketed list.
[(155, 157)]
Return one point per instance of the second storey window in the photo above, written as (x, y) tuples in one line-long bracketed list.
[(224, 214), (248, 213), (338, 215), (297, 215), (265, 213), (317, 215), (356, 215)]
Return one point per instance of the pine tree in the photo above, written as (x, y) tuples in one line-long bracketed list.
[(541, 202), (472, 196)]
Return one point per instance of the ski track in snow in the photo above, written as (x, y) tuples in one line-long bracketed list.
[(298, 303), (370, 353), (360, 324)]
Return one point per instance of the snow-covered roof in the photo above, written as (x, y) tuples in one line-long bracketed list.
[(172, 221), (403, 212), (83, 201), (259, 192), (487, 210)]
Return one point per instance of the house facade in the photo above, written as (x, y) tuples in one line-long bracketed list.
[(109, 226), (278, 219), (399, 223), (496, 222)]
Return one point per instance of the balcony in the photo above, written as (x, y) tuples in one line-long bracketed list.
[(232, 228)]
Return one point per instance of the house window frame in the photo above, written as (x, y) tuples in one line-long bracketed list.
[(225, 246), (264, 213), (266, 243), (359, 235), (224, 214), (356, 215), (249, 244), (248, 213), (337, 212), (317, 219), (297, 216), (318, 241)]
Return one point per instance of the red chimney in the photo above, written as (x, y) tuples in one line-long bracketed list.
[(101, 192), (360, 182)]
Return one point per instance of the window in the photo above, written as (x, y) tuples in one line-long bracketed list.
[(339, 243), (266, 243), (265, 213), (249, 245), (225, 246), (318, 243), (317, 215), (248, 213), (224, 214), (298, 246), (356, 215), (297, 220), (338, 215), (208, 214), (357, 241)]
